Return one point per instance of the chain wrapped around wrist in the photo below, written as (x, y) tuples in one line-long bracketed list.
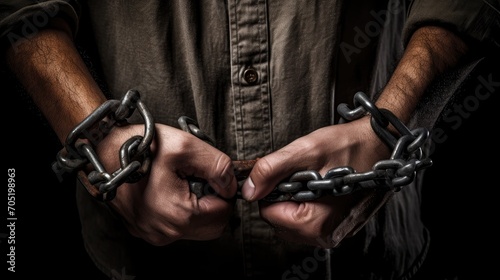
[(135, 154)]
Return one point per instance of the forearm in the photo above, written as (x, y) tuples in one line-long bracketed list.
[(55, 76), (430, 52)]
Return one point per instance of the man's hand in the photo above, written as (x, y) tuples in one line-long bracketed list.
[(160, 208), (327, 221), (313, 222)]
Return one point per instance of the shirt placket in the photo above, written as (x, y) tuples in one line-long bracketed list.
[(251, 98), (249, 75)]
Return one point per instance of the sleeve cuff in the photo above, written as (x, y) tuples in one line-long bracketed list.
[(474, 21), (20, 21)]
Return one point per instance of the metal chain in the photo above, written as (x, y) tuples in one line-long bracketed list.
[(392, 174), (134, 154)]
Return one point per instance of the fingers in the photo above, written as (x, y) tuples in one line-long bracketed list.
[(297, 222), (308, 222), (213, 217), (194, 219)]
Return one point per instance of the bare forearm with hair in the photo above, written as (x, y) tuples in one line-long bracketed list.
[(55, 76), (430, 52)]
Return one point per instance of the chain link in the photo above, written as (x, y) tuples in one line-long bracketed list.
[(134, 154), (392, 174)]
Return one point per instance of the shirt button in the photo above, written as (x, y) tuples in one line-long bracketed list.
[(250, 75)]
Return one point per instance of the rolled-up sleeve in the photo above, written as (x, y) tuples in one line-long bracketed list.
[(22, 19), (477, 21)]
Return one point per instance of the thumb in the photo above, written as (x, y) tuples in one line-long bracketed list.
[(268, 172), (217, 169)]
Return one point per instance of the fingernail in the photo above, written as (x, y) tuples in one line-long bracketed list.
[(248, 189)]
